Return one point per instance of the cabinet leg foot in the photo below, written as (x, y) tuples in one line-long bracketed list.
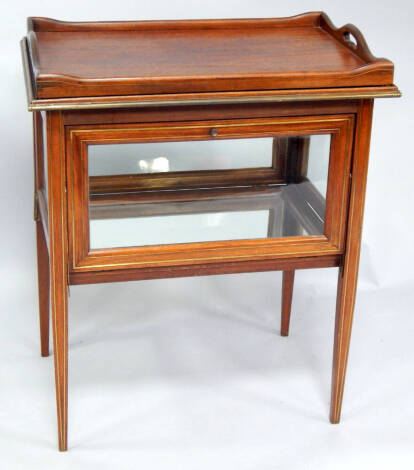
[(287, 292), (348, 272), (58, 267), (60, 339), (347, 284)]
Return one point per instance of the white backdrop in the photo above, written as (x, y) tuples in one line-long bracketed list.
[(191, 373)]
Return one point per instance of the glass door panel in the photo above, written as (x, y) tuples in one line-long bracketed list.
[(162, 157), (129, 206)]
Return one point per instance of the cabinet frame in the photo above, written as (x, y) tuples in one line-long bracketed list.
[(115, 79), (83, 259)]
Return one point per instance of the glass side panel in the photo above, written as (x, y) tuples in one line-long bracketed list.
[(318, 162), (161, 157), (295, 207)]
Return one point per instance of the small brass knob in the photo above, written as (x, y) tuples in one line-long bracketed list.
[(214, 132)]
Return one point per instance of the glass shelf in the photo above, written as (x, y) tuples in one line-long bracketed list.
[(200, 216)]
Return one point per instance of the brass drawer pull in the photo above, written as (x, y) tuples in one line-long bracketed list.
[(214, 132)]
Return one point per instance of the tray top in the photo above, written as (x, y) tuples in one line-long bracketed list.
[(306, 52)]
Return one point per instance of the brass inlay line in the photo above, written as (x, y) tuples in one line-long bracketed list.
[(270, 243), (171, 262), (38, 105), (279, 122)]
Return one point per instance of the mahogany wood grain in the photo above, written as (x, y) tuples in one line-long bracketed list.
[(40, 184), (183, 179), (257, 200), (43, 288), (41, 236), (38, 159), (299, 95), (155, 81), (78, 138), (199, 194), (222, 267), (297, 160), (209, 113), (40, 24), (356, 44), (108, 59), (348, 273), (287, 293), (58, 265)]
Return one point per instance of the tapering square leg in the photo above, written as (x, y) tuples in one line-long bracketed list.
[(287, 292), (42, 249), (60, 341), (43, 287), (58, 265), (347, 284), (348, 272)]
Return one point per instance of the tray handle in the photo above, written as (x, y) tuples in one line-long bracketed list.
[(351, 37)]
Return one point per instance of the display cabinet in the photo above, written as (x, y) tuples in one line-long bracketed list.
[(188, 148)]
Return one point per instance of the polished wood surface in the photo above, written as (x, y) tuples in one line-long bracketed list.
[(202, 99), (348, 272), (43, 288), (302, 60), (41, 235), (162, 57), (221, 267), (208, 113), (184, 179), (287, 293), (113, 269), (58, 265), (81, 258)]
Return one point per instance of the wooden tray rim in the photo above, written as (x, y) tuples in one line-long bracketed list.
[(313, 19)]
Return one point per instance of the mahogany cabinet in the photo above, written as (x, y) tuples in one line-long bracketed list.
[(188, 148)]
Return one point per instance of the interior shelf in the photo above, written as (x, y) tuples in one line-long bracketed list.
[(185, 216)]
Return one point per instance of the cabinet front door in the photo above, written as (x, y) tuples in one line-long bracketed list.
[(157, 194)]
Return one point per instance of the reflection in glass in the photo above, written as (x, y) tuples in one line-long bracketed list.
[(291, 208), (160, 157), (185, 228), (318, 162)]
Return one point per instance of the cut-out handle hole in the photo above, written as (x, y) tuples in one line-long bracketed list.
[(350, 39)]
